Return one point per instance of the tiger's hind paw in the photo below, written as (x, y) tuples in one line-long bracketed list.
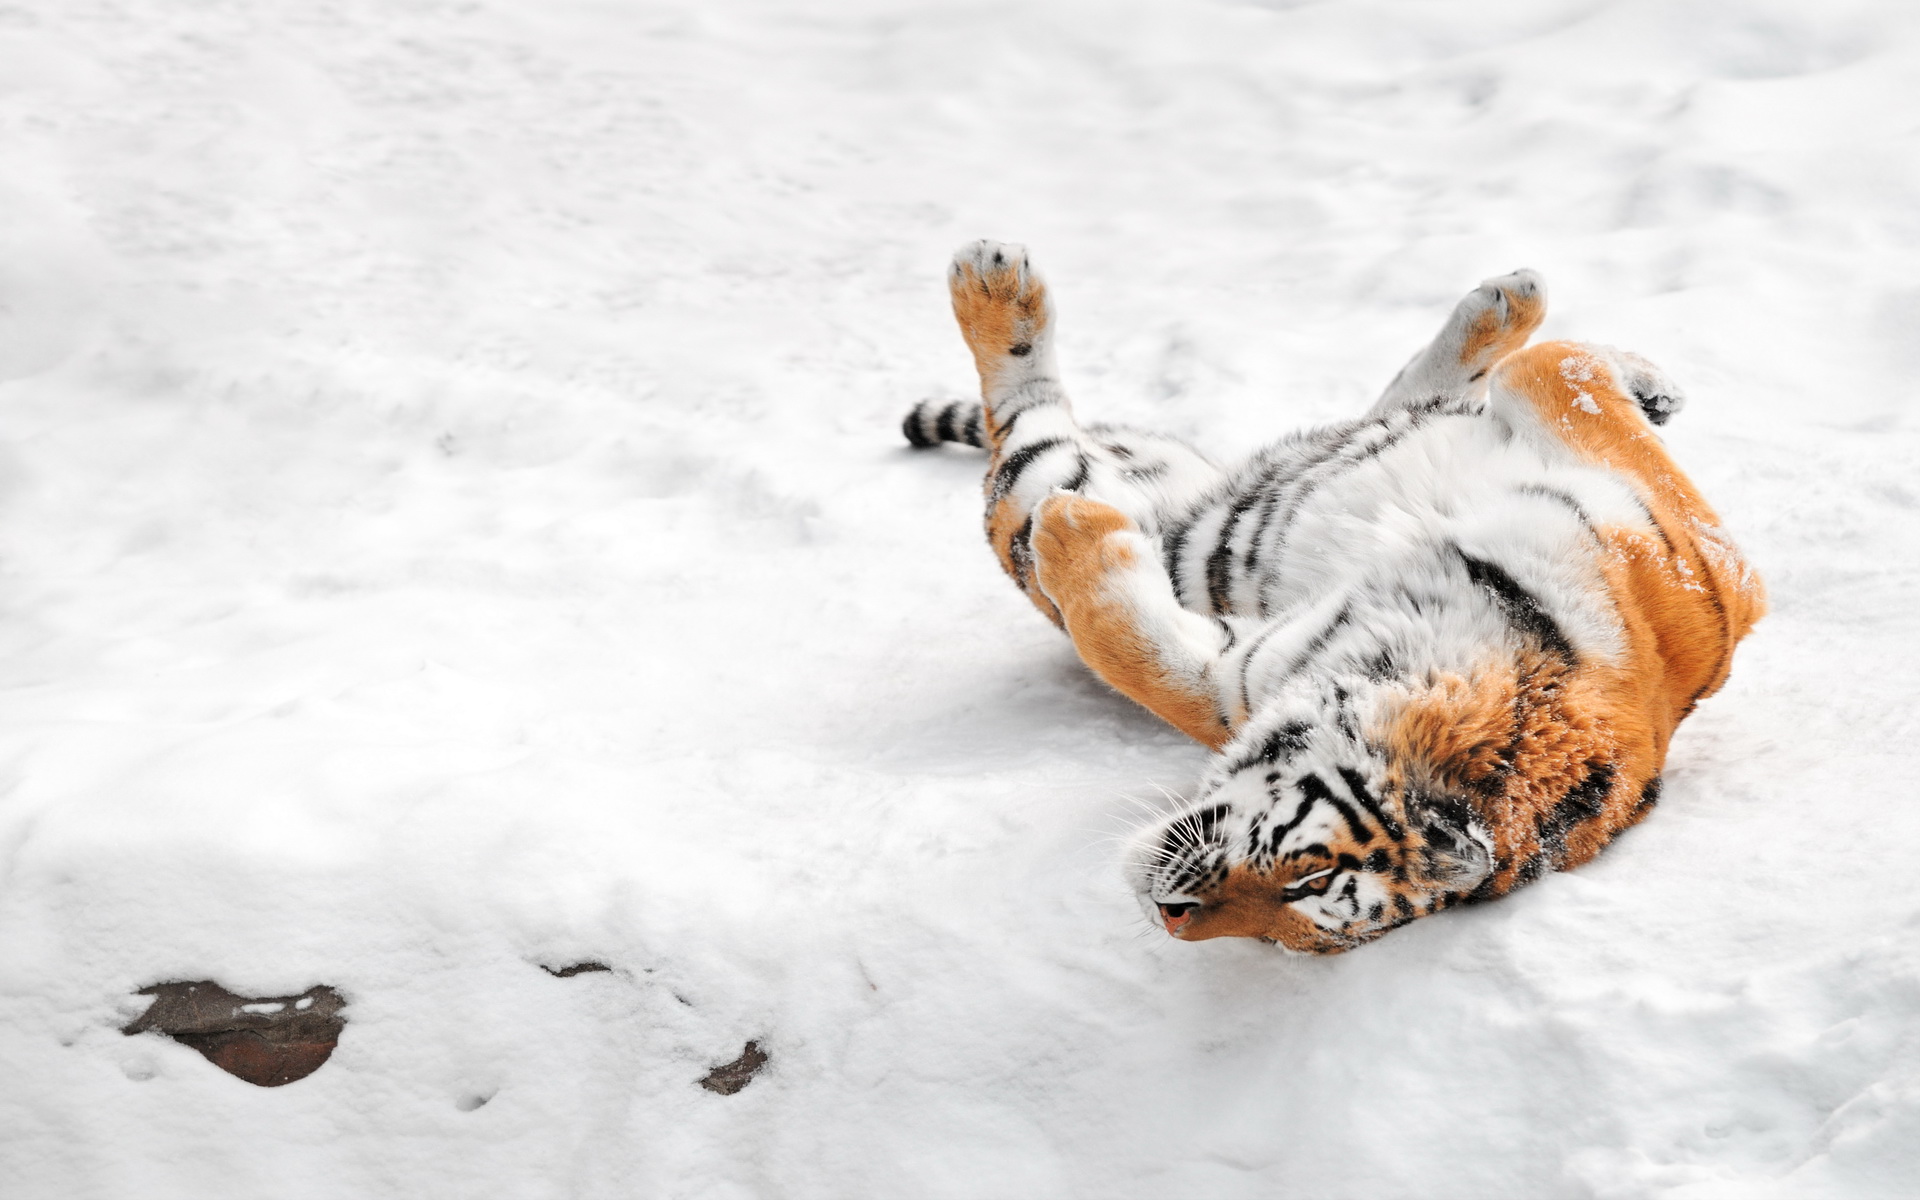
[(1001, 304), (1657, 396)]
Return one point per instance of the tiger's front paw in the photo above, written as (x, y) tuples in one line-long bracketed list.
[(1002, 306), (1077, 544), (1495, 319)]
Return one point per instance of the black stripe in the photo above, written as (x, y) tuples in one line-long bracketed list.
[(974, 420), (1361, 833), (1302, 488), (1171, 546), (1562, 498), (1302, 466), (1411, 419), (1583, 802), (1222, 556), (1007, 473), (1284, 828), (1521, 608), (1321, 639), (1080, 473), (943, 428), (1246, 665), (1020, 553), (1357, 785), (1649, 796), (1665, 539), (1316, 790), (1285, 742), (915, 429), (1301, 485), (1270, 501)]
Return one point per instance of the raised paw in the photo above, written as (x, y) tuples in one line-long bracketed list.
[(1494, 320), (1001, 304), (1657, 396)]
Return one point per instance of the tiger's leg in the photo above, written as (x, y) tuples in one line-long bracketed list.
[(1599, 403), (1036, 447), (1115, 600), (1493, 321), (1675, 574)]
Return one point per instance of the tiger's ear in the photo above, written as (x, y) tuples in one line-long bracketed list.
[(1456, 853)]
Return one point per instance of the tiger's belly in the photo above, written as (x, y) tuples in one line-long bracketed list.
[(1399, 544)]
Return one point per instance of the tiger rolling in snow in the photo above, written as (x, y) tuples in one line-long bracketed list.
[(1438, 650)]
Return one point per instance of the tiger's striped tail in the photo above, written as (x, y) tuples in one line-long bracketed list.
[(934, 421)]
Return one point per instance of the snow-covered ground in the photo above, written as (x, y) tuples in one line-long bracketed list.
[(453, 520)]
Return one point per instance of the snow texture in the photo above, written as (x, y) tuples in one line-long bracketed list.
[(453, 522)]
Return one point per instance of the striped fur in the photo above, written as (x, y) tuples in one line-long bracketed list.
[(1439, 649), (935, 421)]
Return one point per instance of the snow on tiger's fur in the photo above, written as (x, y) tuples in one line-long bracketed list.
[(1439, 649)]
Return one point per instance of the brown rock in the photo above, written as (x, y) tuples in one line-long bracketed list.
[(728, 1078), (267, 1040)]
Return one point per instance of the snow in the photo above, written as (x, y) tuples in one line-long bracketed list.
[(453, 521)]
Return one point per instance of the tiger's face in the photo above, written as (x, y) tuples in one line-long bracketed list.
[(1305, 838)]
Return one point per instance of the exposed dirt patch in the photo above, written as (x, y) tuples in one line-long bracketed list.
[(265, 1040), (728, 1078), (579, 968)]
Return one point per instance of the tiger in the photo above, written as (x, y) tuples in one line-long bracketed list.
[(1437, 650)]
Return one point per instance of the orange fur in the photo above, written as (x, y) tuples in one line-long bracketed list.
[(1515, 739), (999, 310), (1490, 338), (1076, 558), (1523, 733), (1003, 524), (1690, 605), (1244, 905)]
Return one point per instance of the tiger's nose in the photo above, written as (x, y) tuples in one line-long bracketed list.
[(1175, 916)]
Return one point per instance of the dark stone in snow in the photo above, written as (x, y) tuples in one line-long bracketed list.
[(728, 1078), (579, 968), (266, 1040)]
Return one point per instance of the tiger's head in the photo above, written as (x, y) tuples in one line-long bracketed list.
[(1306, 835)]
